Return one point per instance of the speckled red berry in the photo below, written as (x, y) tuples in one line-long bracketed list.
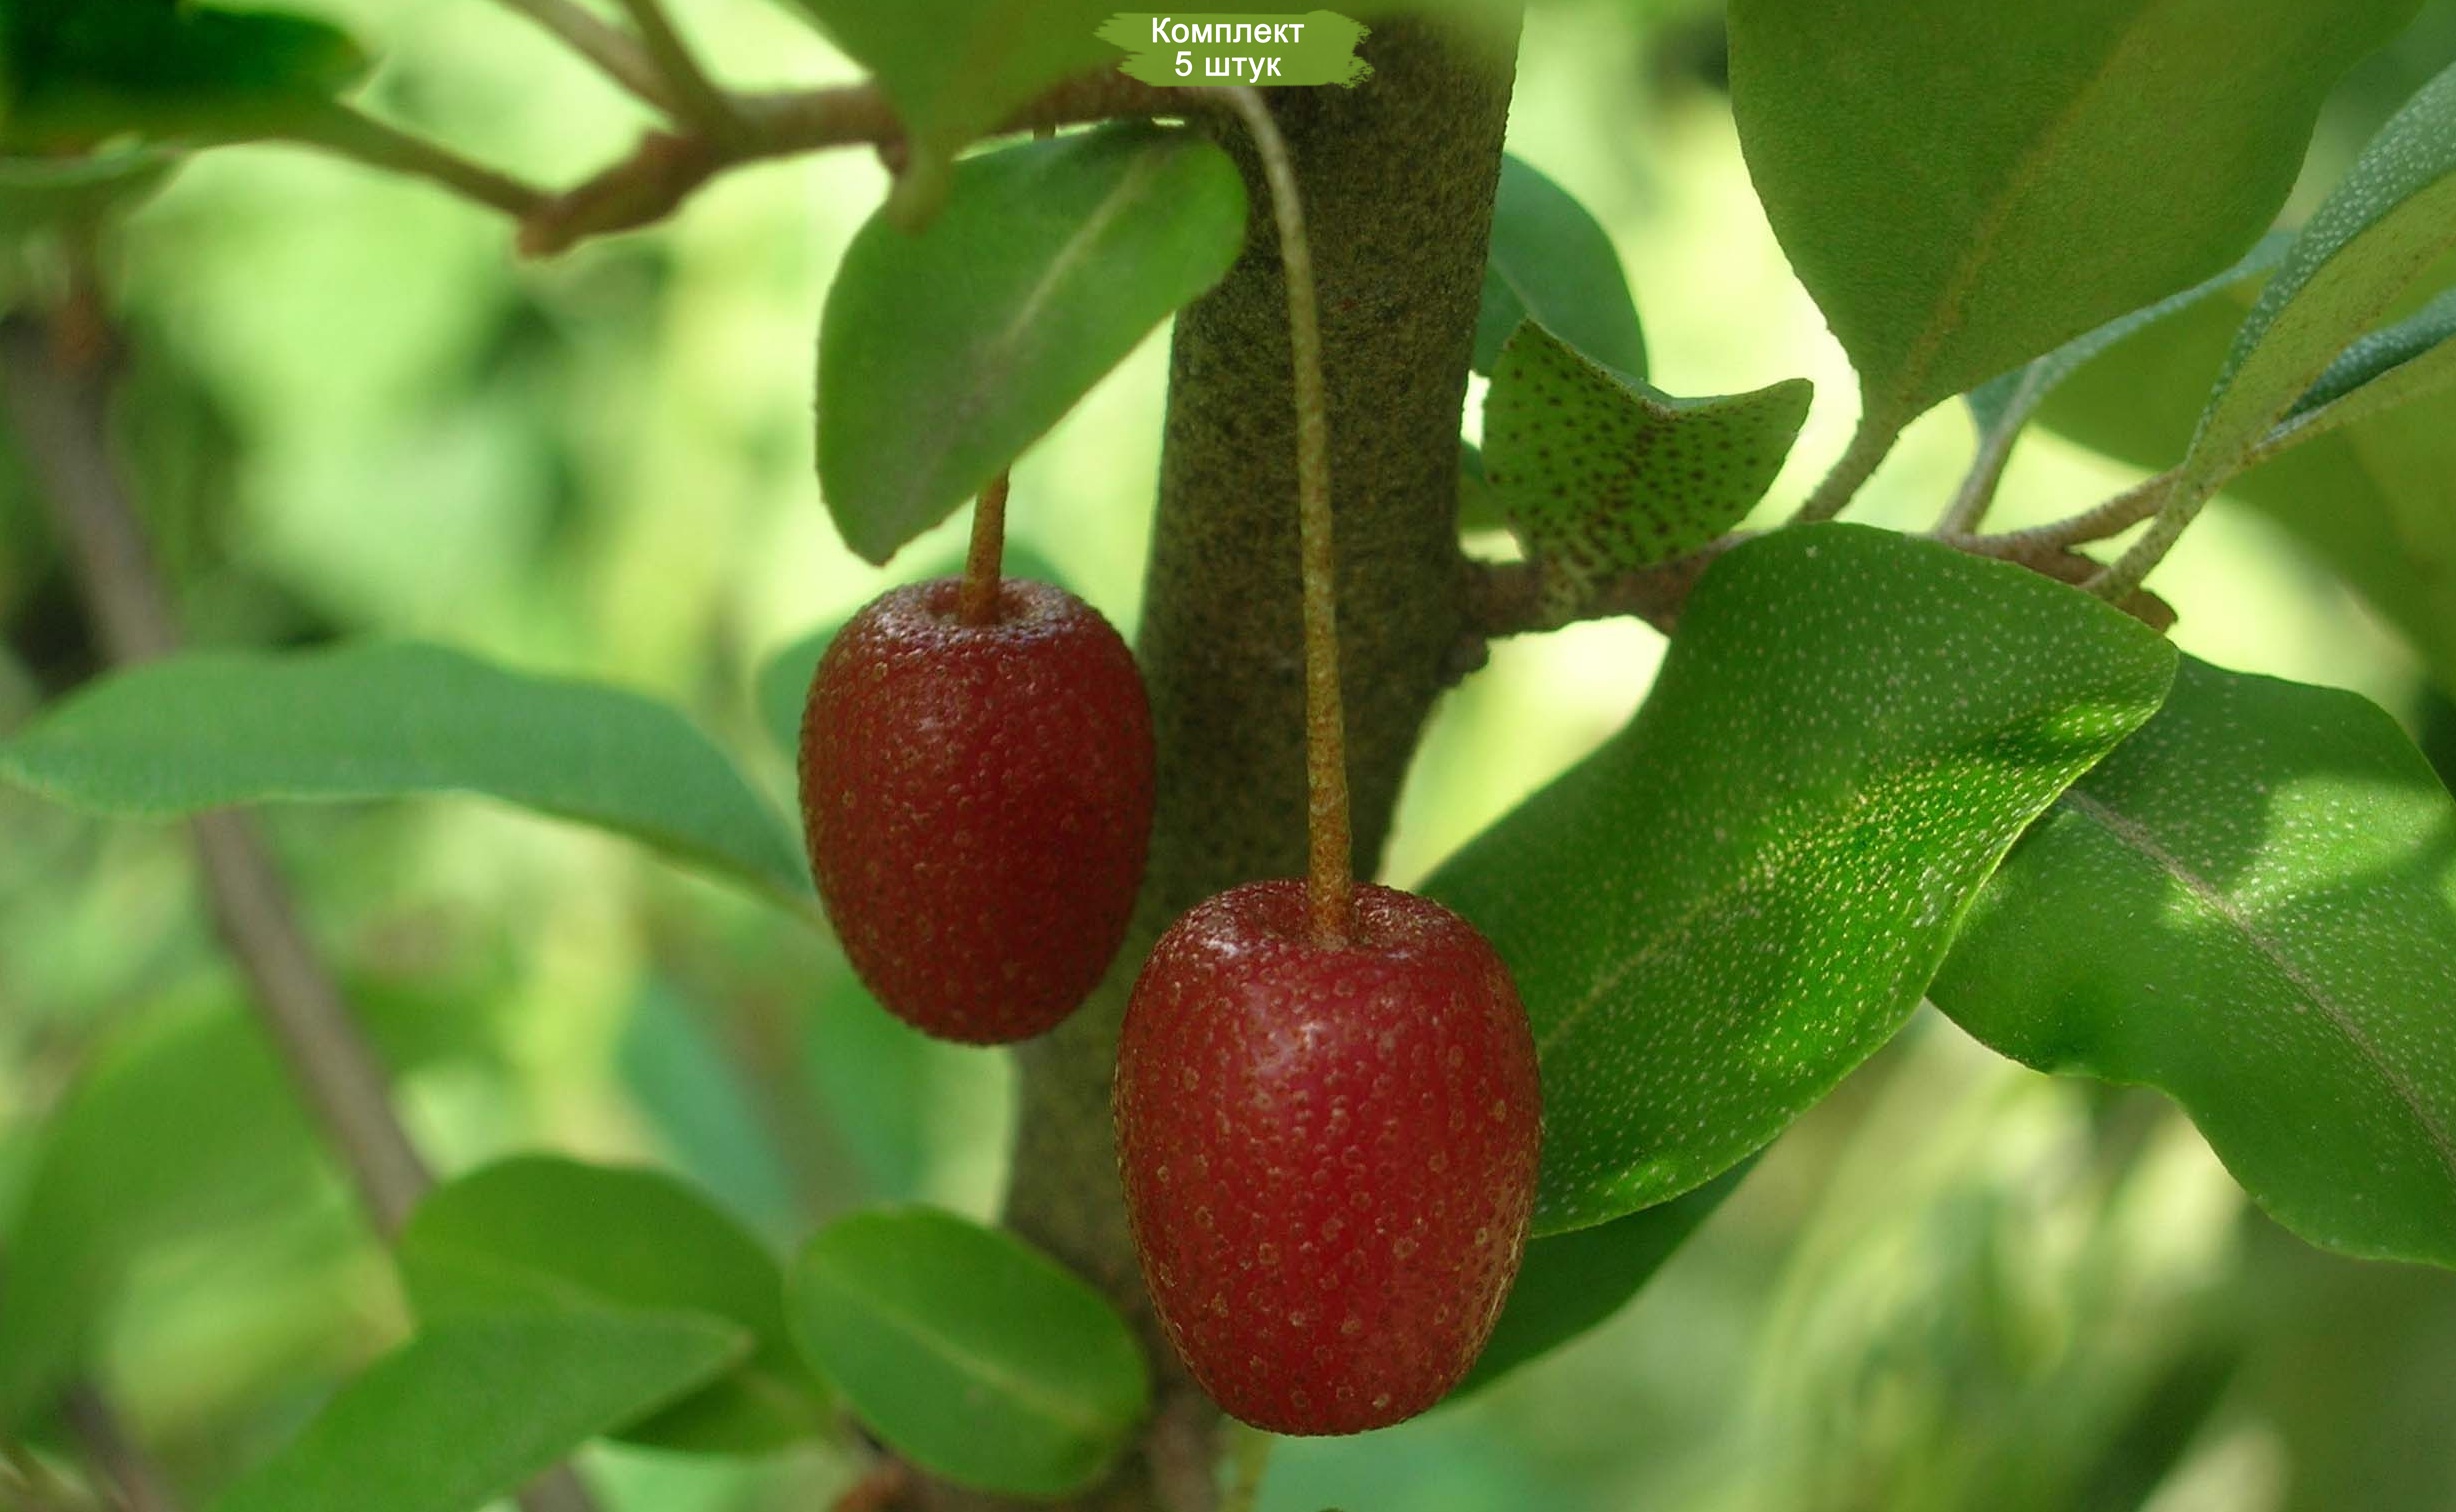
[(1329, 1153), (977, 800)]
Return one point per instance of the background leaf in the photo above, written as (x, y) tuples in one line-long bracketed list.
[(1571, 1282), (213, 729), (1599, 476), (2252, 906), (74, 72), (969, 1352), (186, 1125), (1742, 895), (2392, 217), (540, 1230), (37, 194), (1551, 263), (1964, 187), (467, 1411), (943, 355)]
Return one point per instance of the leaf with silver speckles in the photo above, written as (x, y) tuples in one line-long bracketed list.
[(2252, 906), (1600, 474), (1742, 895)]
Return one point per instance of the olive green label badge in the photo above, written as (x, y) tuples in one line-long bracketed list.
[(1318, 47)]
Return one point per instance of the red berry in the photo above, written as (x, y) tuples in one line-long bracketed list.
[(1328, 1152), (977, 799)]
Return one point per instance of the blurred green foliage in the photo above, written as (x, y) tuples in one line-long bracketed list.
[(1955, 1285)]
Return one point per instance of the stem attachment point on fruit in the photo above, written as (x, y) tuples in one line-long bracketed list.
[(1330, 876), (976, 603)]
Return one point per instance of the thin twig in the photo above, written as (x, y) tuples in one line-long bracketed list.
[(2111, 518), (113, 1453), (362, 138), (985, 559), (59, 400), (1330, 874), (1995, 448), (1870, 444), (702, 105), (618, 56)]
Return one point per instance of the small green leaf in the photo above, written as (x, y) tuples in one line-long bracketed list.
[(943, 355), (76, 72), (1571, 1282), (2252, 906), (1552, 263), (957, 69), (2007, 401), (2392, 217), (187, 1124), (468, 1411), (213, 729), (538, 1230), (1600, 475), (1966, 186), (1479, 507), (2390, 368), (1742, 895), (968, 1352)]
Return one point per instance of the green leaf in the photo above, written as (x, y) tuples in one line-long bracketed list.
[(213, 729), (2007, 401), (1552, 263), (1600, 475), (783, 684), (37, 194), (1742, 895), (2252, 906), (1966, 186), (968, 1352), (2390, 368), (75, 72), (541, 1231), (468, 1411), (185, 1126), (957, 69), (1479, 507), (943, 355), (1571, 1282), (2392, 217)]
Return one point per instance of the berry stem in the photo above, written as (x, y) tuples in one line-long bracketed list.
[(1330, 883), (976, 604)]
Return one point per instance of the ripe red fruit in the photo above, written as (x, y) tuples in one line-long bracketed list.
[(977, 800), (1329, 1152)]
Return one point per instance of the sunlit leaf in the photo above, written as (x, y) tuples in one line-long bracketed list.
[(1742, 895)]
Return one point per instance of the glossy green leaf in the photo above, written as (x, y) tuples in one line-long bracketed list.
[(541, 1231), (2392, 217), (943, 355), (213, 729), (470, 1410), (1600, 475), (1742, 895), (2251, 905), (968, 1352), (1552, 263), (782, 687), (76, 72), (2007, 401), (1966, 186), (188, 1124), (1569, 1283), (957, 69)]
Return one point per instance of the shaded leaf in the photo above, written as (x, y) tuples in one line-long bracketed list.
[(1599, 475), (2252, 906), (943, 355), (75, 72), (1479, 507), (1553, 264), (540, 1231), (468, 1411), (1742, 895), (2389, 368), (213, 729), (37, 194), (1571, 1282), (1964, 187), (968, 1352)]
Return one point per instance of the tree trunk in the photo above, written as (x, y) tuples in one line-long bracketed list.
[(1398, 177)]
